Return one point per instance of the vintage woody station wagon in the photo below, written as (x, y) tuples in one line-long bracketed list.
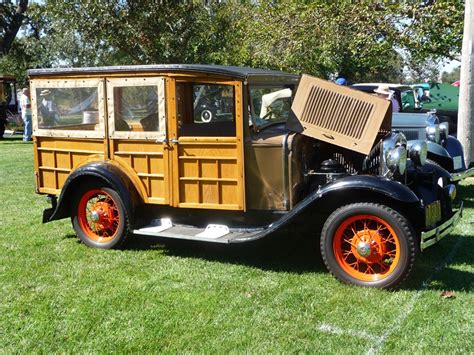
[(230, 154)]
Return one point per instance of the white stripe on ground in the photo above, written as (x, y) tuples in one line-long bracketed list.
[(397, 324), (379, 341), (327, 328)]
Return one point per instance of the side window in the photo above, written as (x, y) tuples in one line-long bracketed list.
[(205, 109), (67, 108), (270, 104), (136, 108)]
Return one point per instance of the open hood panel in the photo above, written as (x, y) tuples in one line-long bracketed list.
[(339, 115)]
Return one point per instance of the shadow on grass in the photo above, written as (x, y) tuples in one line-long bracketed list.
[(297, 251), (16, 139), (278, 252), (439, 270)]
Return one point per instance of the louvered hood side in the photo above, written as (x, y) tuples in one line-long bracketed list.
[(340, 115)]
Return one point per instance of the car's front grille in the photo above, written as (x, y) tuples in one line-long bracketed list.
[(410, 133), (372, 163)]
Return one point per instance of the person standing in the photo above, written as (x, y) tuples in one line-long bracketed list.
[(25, 105), (3, 119), (3, 111)]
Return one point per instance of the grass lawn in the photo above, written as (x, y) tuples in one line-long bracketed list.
[(275, 295)]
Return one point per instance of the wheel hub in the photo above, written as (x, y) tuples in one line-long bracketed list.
[(367, 246), (363, 249), (100, 214), (95, 216)]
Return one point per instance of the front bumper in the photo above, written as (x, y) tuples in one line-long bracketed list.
[(434, 235), (462, 175)]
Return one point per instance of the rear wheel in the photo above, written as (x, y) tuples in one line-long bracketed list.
[(368, 244), (100, 218)]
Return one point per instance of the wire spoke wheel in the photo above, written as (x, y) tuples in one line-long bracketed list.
[(368, 244), (100, 218), (366, 247)]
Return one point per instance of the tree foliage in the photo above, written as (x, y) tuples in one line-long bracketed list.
[(451, 76), (359, 40), (11, 19)]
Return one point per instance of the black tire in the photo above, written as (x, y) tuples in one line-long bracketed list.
[(100, 218), (380, 258)]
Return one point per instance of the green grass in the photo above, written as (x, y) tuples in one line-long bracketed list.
[(58, 295)]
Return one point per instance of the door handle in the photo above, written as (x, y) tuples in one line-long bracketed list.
[(174, 141), (162, 140)]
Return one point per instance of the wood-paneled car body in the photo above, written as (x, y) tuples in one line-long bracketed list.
[(128, 150)]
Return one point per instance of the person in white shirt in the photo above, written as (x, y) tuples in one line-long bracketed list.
[(25, 105)]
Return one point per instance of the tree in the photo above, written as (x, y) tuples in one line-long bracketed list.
[(425, 70), (466, 90), (452, 76), (11, 20), (359, 40)]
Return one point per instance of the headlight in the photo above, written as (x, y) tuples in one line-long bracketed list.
[(432, 133), (432, 127), (444, 130), (397, 160), (394, 156), (418, 153)]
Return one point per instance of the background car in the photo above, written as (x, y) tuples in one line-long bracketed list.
[(443, 149)]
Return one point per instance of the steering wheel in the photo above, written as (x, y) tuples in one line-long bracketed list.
[(267, 115)]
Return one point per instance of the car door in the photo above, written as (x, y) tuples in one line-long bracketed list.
[(206, 143), (136, 110)]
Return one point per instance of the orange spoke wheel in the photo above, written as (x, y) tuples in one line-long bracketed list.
[(98, 216), (366, 247), (368, 244), (100, 219)]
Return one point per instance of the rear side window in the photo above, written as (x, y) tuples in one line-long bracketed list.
[(70, 108), (136, 107), (67, 108)]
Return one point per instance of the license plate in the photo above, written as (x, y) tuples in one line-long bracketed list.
[(432, 213), (457, 162)]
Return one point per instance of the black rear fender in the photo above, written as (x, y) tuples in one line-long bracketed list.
[(93, 174)]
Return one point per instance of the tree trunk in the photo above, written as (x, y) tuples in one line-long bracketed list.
[(13, 27), (466, 92)]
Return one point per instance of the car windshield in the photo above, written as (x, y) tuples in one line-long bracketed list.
[(269, 105)]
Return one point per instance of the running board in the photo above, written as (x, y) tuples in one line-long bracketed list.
[(214, 233)]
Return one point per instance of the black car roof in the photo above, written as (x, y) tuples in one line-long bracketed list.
[(231, 71)]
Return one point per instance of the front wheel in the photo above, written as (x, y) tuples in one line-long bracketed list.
[(368, 244), (99, 218)]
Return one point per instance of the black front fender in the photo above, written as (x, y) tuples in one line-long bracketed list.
[(372, 185), (97, 172), (350, 189)]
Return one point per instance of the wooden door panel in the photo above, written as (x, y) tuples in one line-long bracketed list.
[(207, 155), (147, 159), (209, 174)]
